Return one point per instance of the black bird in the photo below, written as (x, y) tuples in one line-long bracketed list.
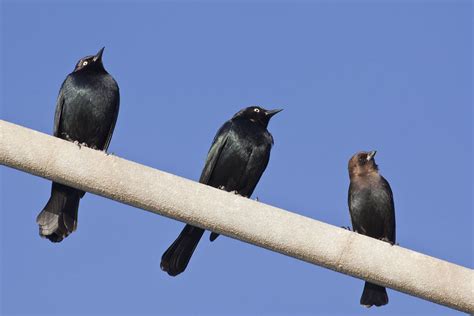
[(236, 160), (372, 212), (86, 111)]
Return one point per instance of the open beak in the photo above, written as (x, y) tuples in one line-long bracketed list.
[(98, 56), (371, 155), (270, 113)]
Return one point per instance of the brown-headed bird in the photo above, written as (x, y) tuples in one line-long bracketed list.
[(372, 212), (236, 160)]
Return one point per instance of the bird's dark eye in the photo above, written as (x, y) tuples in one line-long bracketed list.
[(256, 110), (362, 159), (84, 63)]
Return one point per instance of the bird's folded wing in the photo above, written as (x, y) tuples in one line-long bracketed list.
[(215, 151), (57, 114)]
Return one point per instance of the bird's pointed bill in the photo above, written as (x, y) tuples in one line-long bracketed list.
[(270, 113), (98, 56), (371, 155)]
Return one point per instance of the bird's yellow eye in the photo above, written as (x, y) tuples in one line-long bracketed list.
[(256, 110), (84, 63)]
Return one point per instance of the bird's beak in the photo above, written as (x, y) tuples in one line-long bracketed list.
[(98, 56), (371, 155), (270, 113)]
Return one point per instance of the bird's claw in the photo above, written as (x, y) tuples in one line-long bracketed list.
[(223, 188), (77, 144), (387, 240), (67, 137), (256, 199), (347, 227)]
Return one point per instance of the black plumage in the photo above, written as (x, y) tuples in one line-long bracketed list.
[(236, 160), (372, 212), (86, 111)]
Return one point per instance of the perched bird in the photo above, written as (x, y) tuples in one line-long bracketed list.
[(372, 212), (236, 160), (86, 111)]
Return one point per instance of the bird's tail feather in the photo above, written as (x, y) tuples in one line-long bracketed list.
[(58, 218), (373, 295), (177, 256)]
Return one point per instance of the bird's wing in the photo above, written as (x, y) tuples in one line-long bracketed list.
[(354, 210), (256, 165), (358, 209), (112, 125), (215, 151), (390, 211), (57, 114)]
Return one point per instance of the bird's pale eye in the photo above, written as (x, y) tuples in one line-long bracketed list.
[(84, 63), (256, 110)]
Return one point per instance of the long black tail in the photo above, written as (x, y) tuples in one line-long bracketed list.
[(59, 216), (177, 256), (373, 295)]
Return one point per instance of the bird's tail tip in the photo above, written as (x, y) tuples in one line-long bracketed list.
[(176, 258), (373, 295), (166, 267), (58, 219), (51, 227)]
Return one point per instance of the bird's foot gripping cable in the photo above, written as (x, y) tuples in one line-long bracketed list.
[(387, 240), (77, 143)]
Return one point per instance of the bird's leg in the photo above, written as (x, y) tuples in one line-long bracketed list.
[(387, 240), (77, 143), (69, 139), (256, 199), (106, 153), (347, 227), (223, 188)]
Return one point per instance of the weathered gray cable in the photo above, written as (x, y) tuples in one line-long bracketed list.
[(244, 219)]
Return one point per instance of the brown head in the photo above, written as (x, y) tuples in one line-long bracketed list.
[(363, 163)]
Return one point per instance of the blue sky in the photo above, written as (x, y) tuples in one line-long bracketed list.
[(395, 76)]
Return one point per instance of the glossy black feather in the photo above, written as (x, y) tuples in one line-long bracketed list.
[(236, 160), (86, 111)]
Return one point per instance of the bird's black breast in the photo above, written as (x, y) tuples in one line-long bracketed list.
[(372, 209), (89, 109), (243, 157)]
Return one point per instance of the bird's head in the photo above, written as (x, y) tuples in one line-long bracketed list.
[(363, 163), (257, 115), (93, 62)]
